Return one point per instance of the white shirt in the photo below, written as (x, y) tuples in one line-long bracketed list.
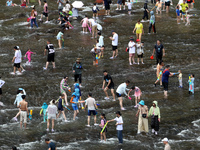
[(115, 41), (67, 7), (131, 46), (99, 27), (129, 5), (1, 83), (119, 120), (19, 97), (101, 42), (52, 110), (90, 102), (92, 21), (122, 89), (180, 2), (17, 56), (140, 49)]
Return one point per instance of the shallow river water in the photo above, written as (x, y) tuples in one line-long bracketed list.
[(180, 119)]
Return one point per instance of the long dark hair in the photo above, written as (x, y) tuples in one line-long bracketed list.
[(103, 115)]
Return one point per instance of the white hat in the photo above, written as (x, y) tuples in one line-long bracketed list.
[(165, 140)]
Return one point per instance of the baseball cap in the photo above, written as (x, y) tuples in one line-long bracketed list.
[(165, 140)]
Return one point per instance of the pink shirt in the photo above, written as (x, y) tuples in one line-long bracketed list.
[(28, 53), (46, 8)]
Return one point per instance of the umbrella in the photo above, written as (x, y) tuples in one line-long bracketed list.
[(77, 4)]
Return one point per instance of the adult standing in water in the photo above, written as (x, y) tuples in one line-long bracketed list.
[(142, 115), (77, 70), (51, 54), (119, 126), (114, 40), (160, 51), (110, 85), (167, 4), (33, 17), (139, 30), (122, 90), (23, 105), (17, 60), (167, 146), (107, 6), (154, 113), (165, 77)]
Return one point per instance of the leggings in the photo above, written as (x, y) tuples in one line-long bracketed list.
[(152, 26), (145, 15), (76, 77)]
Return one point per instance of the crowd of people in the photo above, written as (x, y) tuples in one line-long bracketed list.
[(51, 112)]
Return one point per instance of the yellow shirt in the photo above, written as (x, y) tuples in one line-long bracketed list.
[(139, 28), (180, 76), (184, 6)]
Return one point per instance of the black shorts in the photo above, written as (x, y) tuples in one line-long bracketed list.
[(111, 86), (107, 7), (165, 85), (167, 3), (0, 91), (60, 108), (45, 14), (105, 130), (118, 95), (140, 56), (17, 65), (50, 57), (123, 2), (92, 111), (114, 48), (181, 11), (190, 1)]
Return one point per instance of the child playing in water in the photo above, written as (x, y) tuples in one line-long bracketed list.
[(61, 102), (188, 18), (191, 83), (129, 4), (74, 101), (178, 14), (28, 55), (44, 109), (146, 11), (101, 43), (59, 38), (77, 91), (95, 10), (84, 22), (152, 23), (103, 122), (180, 79), (159, 7), (45, 12), (137, 94), (140, 50)]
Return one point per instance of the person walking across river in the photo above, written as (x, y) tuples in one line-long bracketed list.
[(165, 142), (23, 105), (16, 60), (77, 70), (139, 30), (114, 40), (160, 51), (110, 85), (51, 54), (154, 113), (142, 115), (51, 145), (33, 17), (122, 90)]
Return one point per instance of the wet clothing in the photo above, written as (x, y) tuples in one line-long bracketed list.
[(107, 78), (52, 146)]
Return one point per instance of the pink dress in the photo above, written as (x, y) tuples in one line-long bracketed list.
[(28, 54), (137, 92), (85, 22)]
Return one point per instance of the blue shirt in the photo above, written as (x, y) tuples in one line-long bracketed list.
[(52, 146), (9, 3), (178, 12), (165, 75), (75, 99)]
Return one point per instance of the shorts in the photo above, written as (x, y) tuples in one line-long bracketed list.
[(75, 107), (50, 57), (92, 111), (119, 2), (107, 7), (129, 9), (111, 86), (123, 2), (140, 56), (62, 91), (131, 54), (165, 85), (167, 3), (17, 65), (58, 38), (118, 95), (60, 108), (94, 28), (51, 116), (190, 1), (105, 130), (114, 48), (23, 116), (181, 11), (45, 14), (0, 91), (94, 11), (158, 8)]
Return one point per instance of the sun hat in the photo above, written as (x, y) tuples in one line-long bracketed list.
[(141, 102)]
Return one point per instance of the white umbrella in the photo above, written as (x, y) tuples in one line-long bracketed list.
[(77, 4)]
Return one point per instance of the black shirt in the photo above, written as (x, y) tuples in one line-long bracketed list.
[(52, 146), (107, 78), (50, 49), (159, 49)]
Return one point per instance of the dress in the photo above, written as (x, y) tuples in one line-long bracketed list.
[(142, 122), (137, 92), (85, 22)]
